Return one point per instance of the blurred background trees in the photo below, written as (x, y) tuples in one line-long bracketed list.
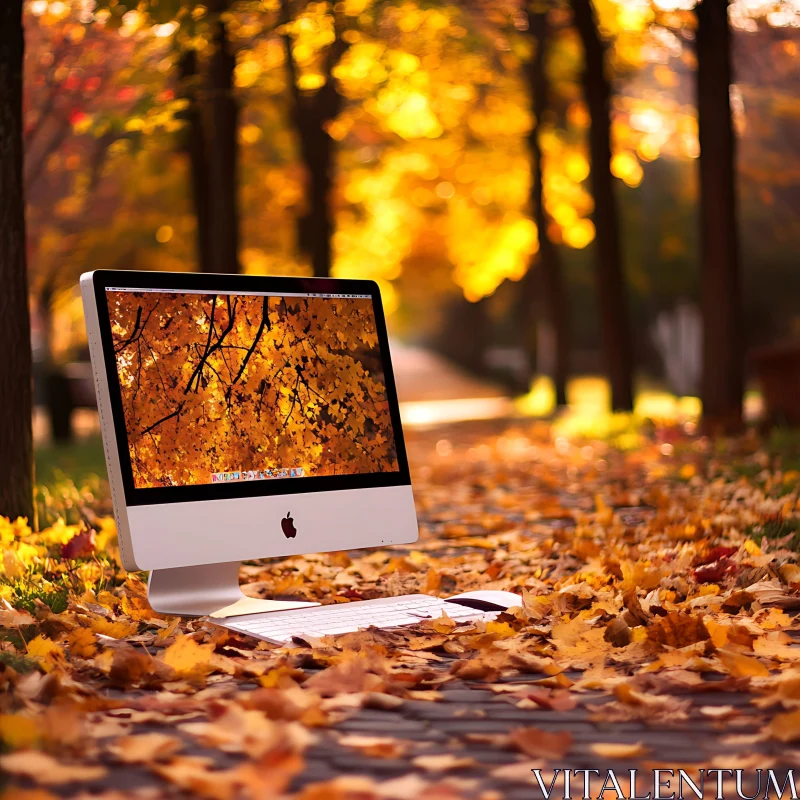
[(543, 188)]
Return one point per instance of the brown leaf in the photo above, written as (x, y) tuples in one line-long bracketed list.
[(634, 607), (554, 699), (678, 630), (127, 666), (618, 633), (12, 618), (42, 768), (347, 677), (144, 748), (537, 743)]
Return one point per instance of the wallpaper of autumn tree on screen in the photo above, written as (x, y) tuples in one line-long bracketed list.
[(219, 383)]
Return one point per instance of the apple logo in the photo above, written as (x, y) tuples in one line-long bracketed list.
[(287, 525)]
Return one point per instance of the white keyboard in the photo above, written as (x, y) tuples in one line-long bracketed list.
[(280, 627)]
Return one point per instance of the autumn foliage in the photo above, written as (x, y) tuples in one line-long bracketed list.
[(216, 383)]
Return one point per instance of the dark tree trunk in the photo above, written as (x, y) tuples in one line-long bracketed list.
[(16, 369), (310, 115), (315, 227), (616, 330), (554, 299), (195, 147), (222, 148), (723, 370), (56, 388)]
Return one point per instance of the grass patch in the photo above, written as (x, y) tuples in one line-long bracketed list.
[(777, 529), (26, 595), (78, 461), (19, 664)]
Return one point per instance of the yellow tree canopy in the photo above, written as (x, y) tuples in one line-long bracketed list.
[(216, 383)]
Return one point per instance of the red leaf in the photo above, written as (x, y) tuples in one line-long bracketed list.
[(80, 545), (713, 573), (714, 554)]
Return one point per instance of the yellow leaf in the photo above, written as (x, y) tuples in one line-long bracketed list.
[(44, 650), (719, 633), (186, 656), (137, 608), (165, 633), (742, 666), (82, 643), (751, 548), (501, 629), (17, 731), (790, 575), (115, 630)]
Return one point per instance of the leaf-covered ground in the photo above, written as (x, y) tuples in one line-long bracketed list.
[(657, 628)]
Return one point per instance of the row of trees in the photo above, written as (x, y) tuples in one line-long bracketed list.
[(723, 353), (211, 115)]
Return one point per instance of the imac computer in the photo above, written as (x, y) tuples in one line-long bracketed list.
[(247, 417)]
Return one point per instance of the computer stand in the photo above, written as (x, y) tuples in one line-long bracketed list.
[(194, 591)]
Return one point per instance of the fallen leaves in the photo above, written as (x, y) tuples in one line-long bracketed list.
[(46, 770), (641, 595)]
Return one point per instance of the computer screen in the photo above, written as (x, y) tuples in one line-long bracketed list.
[(229, 388)]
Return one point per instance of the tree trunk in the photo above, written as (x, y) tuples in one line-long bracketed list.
[(16, 369), (315, 227), (722, 383), (310, 115), (555, 307), (195, 147), (223, 149), (54, 383), (614, 320)]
